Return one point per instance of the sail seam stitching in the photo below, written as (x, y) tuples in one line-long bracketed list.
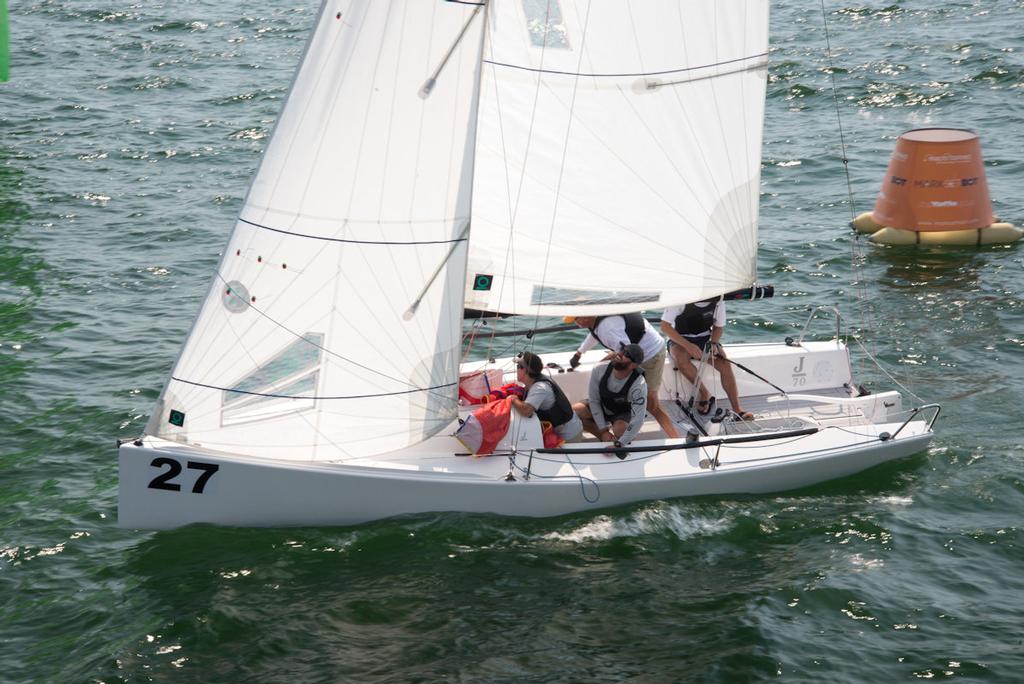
[(623, 75), (355, 242), (316, 398)]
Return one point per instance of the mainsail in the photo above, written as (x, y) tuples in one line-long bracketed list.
[(305, 347), (618, 154)]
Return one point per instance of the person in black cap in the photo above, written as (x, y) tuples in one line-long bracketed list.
[(617, 398), (545, 398), (615, 332)]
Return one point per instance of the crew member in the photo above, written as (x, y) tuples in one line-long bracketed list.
[(616, 399), (619, 330), (545, 398), (692, 329)]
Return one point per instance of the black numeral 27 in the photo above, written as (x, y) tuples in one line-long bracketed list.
[(163, 480)]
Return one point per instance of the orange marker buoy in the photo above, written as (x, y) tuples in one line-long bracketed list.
[(935, 192)]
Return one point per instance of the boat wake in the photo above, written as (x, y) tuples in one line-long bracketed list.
[(674, 519)]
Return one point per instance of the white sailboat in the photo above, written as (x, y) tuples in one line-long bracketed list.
[(534, 157)]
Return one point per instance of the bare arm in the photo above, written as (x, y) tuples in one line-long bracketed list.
[(522, 407)]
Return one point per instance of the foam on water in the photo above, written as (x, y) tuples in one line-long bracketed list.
[(647, 521)]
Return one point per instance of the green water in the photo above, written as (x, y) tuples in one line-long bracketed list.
[(127, 138)]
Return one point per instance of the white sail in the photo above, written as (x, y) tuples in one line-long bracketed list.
[(618, 154), (305, 347)]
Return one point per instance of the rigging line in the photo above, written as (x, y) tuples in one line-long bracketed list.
[(839, 119), (314, 398), (354, 242), (759, 128), (580, 477), (561, 164), (625, 75), (881, 368), (855, 252), (509, 261), (510, 249)]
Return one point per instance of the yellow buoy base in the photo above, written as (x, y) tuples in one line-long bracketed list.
[(866, 224), (996, 234)]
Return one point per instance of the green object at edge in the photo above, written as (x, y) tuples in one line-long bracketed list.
[(4, 58)]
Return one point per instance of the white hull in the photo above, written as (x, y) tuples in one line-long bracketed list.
[(164, 484)]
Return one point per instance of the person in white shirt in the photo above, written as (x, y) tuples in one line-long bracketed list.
[(617, 331), (691, 329)]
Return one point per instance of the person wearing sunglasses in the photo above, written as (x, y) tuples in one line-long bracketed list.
[(545, 398)]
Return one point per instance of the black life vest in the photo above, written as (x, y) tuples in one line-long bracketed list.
[(561, 411), (616, 403), (634, 327), (696, 321)]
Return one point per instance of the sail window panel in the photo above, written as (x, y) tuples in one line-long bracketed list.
[(294, 397), (298, 358), (544, 23), (603, 39)]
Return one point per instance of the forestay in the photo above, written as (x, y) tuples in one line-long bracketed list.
[(301, 349), (618, 154)]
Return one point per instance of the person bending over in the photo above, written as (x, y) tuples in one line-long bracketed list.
[(619, 330), (545, 398)]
